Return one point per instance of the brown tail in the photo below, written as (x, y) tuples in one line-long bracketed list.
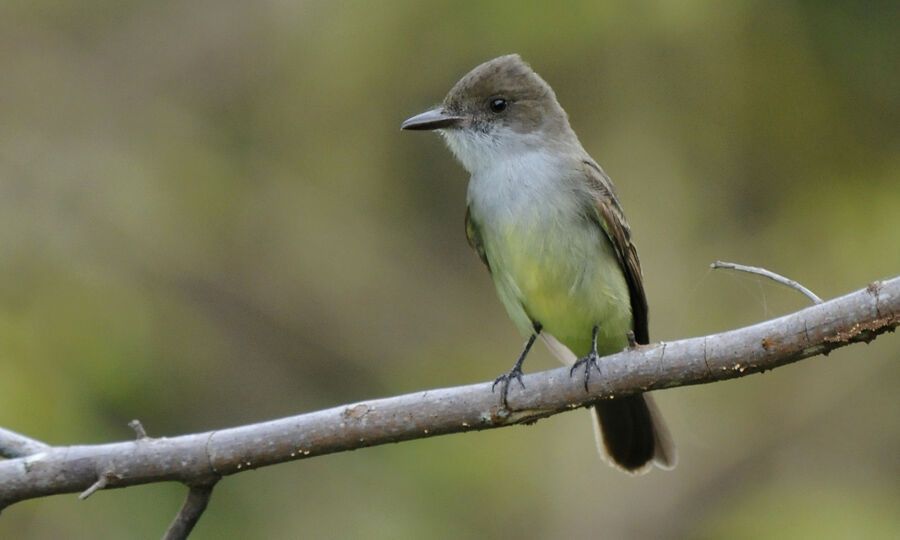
[(631, 434)]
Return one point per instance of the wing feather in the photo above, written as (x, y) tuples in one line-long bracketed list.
[(473, 235), (613, 223)]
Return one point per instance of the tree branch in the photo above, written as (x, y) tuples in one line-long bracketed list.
[(13, 445), (191, 510), (201, 459)]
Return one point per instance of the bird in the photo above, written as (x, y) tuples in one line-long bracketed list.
[(545, 219)]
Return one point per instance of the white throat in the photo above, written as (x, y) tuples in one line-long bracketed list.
[(479, 151), (525, 184)]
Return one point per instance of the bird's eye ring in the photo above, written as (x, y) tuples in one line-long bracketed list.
[(498, 105)]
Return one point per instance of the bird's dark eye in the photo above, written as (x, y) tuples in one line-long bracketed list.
[(498, 105)]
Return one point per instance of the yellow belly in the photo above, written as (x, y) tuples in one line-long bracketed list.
[(567, 283)]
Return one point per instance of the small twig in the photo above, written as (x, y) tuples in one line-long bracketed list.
[(138, 428), (191, 510), (15, 445), (99, 484), (769, 274), (632, 342)]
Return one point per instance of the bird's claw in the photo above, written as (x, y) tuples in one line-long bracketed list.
[(503, 380), (589, 360)]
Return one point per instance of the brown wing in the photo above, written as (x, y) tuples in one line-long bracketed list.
[(616, 228), (473, 235)]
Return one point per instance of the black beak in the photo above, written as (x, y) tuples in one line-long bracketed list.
[(433, 119)]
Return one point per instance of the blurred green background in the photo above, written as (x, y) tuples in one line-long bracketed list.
[(209, 216)]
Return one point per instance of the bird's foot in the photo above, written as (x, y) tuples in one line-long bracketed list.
[(516, 372), (588, 361), (503, 380)]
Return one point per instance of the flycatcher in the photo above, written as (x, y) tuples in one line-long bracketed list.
[(544, 218)]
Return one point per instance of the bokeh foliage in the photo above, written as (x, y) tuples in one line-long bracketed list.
[(209, 216)]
